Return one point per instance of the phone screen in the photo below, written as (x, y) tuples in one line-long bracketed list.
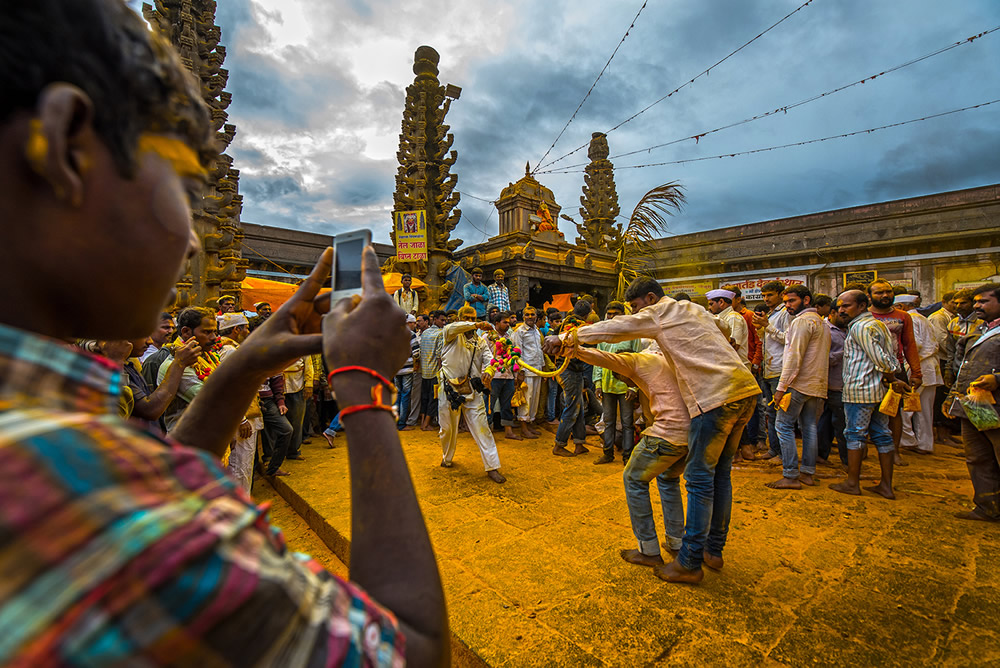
[(348, 264)]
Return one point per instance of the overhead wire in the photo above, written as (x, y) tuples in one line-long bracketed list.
[(591, 90), (785, 108), (789, 145), (684, 85)]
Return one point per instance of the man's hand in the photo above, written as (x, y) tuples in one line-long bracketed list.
[(599, 393), (759, 321), (187, 354), (987, 382), (778, 394), (483, 325), (294, 329), (245, 430), (630, 394), (307, 392), (899, 387), (916, 383), (487, 379), (755, 369), (551, 344), (368, 331), (282, 409)]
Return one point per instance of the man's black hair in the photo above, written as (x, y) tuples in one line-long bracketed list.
[(134, 77), (640, 287), (988, 288), (799, 290), (773, 286), (682, 297), (550, 310), (192, 316), (582, 308), (165, 316), (437, 313), (822, 300)]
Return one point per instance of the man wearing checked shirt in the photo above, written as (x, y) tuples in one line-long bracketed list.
[(870, 366)]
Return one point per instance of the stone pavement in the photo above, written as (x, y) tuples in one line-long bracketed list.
[(533, 576)]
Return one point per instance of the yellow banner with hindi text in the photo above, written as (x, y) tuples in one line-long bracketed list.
[(411, 235)]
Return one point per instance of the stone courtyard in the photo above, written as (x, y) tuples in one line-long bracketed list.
[(533, 577)]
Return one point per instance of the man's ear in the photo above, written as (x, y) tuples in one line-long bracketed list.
[(60, 140)]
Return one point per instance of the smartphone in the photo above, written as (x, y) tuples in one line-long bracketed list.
[(345, 280)]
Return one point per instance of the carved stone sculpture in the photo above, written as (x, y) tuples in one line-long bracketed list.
[(599, 202), (219, 268), (424, 179)]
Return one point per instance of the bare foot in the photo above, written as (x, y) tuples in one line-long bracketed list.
[(973, 515), (640, 559), (408, 427), (747, 452), (528, 433), (785, 483), (845, 488), (496, 476), (671, 551), (674, 572), (823, 462), (561, 451), (509, 433), (807, 479), (428, 428), (712, 561), (898, 460), (279, 472), (581, 449), (329, 440), (446, 465), (882, 490)]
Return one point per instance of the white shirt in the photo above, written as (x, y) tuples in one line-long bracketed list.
[(459, 353), (529, 340), (774, 341), (738, 332)]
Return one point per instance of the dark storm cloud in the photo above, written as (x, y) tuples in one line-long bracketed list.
[(310, 110)]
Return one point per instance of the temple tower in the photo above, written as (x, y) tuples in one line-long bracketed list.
[(219, 268), (599, 202), (424, 180), (519, 205)]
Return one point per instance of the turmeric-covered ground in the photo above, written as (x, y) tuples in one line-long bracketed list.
[(533, 577)]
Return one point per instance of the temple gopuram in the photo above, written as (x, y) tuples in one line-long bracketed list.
[(219, 268)]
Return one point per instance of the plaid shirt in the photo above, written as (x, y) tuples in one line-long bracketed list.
[(123, 548), (499, 297), (869, 353)]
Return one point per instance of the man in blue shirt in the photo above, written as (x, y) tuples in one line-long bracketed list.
[(476, 294)]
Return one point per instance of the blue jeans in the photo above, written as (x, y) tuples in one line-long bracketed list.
[(502, 390), (712, 441), (866, 420), (831, 427), (613, 406), (550, 406), (404, 385), (655, 458), (296, 414), (805, 410), (769, 387), (572, 415)]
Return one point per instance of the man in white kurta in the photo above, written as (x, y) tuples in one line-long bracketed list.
[(720, 303), (918, 426), (529, 340), (461, 357)]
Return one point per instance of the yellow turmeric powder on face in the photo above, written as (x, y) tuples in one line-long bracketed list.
[(180, 156)]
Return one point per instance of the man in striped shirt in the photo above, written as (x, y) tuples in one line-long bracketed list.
[(869, 365)]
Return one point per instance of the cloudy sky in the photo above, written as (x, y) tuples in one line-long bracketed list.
[(318, 89)]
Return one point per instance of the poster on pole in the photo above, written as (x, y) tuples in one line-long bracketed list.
[(411, 235)]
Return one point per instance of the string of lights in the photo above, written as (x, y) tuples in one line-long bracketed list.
[(785, 108), (481, 199), (684, 85), (601, 74), (798, 143)]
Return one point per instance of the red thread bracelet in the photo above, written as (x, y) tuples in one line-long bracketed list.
[(344, 412), (363, 369)]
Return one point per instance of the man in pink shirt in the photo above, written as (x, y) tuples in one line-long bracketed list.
[(805, 370), (719, 393), (660, 454)]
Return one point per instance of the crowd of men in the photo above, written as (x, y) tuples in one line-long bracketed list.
[(128, 542)]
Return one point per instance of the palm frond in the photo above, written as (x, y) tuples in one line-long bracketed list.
[(647, 222)]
